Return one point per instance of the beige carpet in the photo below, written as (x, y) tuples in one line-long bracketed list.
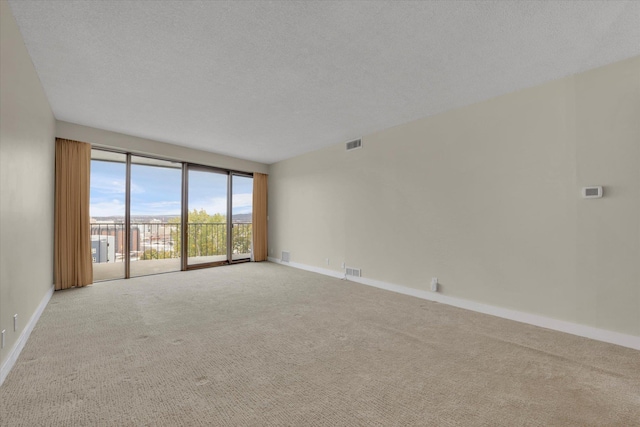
[(262, 344)]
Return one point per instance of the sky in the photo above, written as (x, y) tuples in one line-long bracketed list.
[(156, 191)]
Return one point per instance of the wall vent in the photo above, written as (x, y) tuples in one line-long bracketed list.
[(592, 192), (286, 256), (352, 145), (355, 272)]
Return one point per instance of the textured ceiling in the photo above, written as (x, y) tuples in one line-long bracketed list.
[(270, 80)]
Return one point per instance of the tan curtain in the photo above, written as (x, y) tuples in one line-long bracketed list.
[(72, 256), (259, 217)]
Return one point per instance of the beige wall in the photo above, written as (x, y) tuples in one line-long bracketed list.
[(114, 140), (486, 198), (27, 129)]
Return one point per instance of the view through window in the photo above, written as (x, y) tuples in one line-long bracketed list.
[(207, 227), (156, 194), (107, 211), (241, 221), (217, 230)]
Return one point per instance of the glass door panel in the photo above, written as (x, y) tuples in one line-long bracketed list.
[(107, 205), (206, 233), (156, 194), (241, 218)]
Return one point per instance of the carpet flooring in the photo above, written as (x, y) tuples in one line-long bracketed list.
[(260, 344)]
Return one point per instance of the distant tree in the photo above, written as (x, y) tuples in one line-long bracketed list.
[(155, 254), (149, 254), (241, 239), (206, 234)]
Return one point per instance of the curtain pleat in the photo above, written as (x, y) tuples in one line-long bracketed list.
[(259, 217), (72, 256)]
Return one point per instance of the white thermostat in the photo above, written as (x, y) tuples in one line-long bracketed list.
[(594, 192)]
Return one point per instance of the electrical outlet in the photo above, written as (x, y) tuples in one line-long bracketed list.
[(327, 260), (15, 322), (434, 284)]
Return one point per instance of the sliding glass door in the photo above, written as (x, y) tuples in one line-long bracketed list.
[(155, 216), (207, 225), (107, 208), (219, 217), (241, 216), (156, 204)]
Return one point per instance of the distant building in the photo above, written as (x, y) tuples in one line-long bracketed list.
[(117, 232)]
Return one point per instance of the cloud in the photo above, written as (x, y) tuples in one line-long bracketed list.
[(105, 184), (107, 206), (159, 208), (241, 204), (211, 205), (242, 200)]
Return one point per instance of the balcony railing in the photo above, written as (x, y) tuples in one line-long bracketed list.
[(162, 240)]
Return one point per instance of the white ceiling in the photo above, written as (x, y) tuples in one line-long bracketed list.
[(266, 81)]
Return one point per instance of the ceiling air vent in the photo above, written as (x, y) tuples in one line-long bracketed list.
[(352, 145)]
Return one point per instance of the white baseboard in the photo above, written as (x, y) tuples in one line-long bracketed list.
[(24, 336), (618, 338), (324, 271)]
